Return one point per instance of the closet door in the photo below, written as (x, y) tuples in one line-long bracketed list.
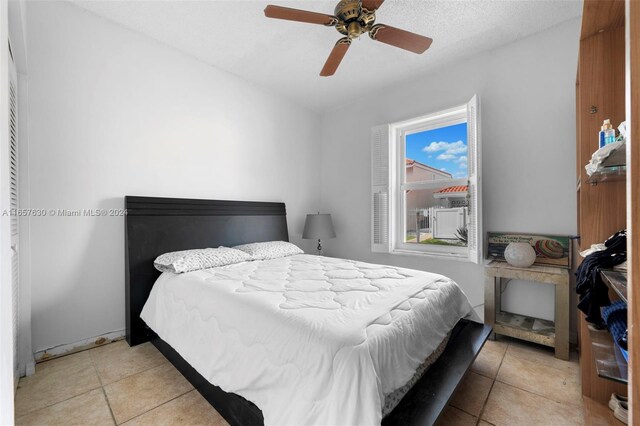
[(13, 204)]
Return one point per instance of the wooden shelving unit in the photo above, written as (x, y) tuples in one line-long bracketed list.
[(601, 91), (608, 86), (600, 94)]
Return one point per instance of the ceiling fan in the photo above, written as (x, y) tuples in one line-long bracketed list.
[(352, 18)]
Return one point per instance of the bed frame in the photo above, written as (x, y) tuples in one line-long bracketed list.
[(158, 225)]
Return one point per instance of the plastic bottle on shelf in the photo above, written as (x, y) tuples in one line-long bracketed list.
[(607, 134)]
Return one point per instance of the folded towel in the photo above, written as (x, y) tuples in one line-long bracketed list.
[(600, 155), (594, 248)]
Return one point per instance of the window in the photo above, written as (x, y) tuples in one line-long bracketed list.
[(426, 185)]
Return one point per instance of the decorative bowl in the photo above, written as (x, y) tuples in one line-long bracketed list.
[(520, 255)]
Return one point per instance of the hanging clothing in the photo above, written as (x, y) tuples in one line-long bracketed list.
[(592, 290)]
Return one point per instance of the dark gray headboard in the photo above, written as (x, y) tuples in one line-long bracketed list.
[(154, 226)]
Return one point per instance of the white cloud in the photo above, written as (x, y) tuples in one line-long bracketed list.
[(444, 169), (451, 148), (446, 157), (457, 150), (463, 165), (449, 151)]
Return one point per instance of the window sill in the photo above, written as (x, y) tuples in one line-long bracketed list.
[(442, 256)]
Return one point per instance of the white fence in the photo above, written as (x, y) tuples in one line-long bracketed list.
[(439, 222)]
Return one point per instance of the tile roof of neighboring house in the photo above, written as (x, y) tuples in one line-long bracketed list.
[(409, 162), (452, 189)]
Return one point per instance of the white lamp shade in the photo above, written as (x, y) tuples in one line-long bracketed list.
[(318, 226)]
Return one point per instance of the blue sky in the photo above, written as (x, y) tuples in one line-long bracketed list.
[(444, 149)]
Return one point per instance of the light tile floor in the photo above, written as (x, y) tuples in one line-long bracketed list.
[(511, 383)]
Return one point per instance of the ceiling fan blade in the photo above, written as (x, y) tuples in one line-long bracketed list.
[(279, 12), (335, 57), (371, 5), (400, 38)]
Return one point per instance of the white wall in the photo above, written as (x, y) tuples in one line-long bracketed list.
[(527, 95), (113, 113)]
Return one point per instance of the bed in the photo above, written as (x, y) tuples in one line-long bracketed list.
[(262, 324)]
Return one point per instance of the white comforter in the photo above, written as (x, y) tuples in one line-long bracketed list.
[(308, 339)]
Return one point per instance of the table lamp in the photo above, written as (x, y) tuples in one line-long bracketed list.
[(318, 226)]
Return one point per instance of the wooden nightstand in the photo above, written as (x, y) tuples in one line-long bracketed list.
[(544, 332)]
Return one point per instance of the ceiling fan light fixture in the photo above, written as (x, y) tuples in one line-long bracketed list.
[(354, 30), (352, 18)]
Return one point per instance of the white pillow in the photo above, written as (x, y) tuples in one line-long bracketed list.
[(193, 260), (269, 250)]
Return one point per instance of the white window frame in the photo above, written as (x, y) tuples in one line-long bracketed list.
[(390, 222)]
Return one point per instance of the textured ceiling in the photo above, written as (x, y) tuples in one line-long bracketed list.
[(286, 57)]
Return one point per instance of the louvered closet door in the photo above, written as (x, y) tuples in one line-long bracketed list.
[(380, 240), (474, 226), (13, 189)]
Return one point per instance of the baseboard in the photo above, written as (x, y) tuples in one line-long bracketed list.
[(79, 346), (27, 369)]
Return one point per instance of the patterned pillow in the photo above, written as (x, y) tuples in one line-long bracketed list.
[(269, 250), (193, 260)]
